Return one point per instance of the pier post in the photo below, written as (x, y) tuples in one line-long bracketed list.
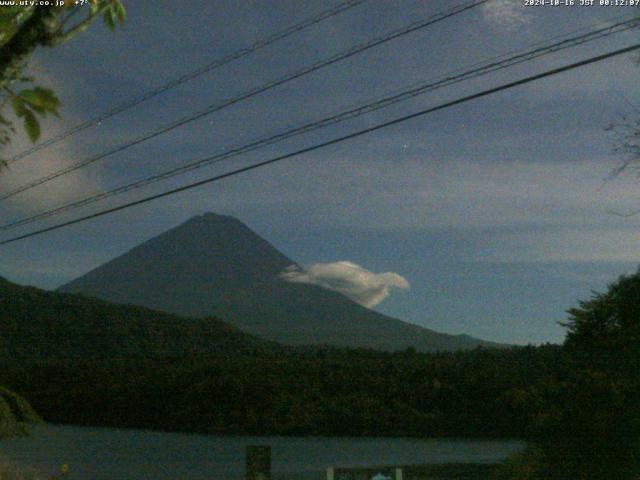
[(330, 473), (258, 459)]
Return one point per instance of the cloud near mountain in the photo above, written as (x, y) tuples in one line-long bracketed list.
[(360, 285)]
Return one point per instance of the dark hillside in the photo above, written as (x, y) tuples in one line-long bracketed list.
[(36, 324)]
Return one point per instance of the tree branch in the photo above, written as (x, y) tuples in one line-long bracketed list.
[(33, 32), (62, 37), (16, 23)]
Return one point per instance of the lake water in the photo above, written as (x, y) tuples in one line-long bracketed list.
[(111, 454)]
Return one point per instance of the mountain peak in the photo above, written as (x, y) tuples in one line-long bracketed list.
[(210, 217), (226, 224), (215, 265), (210, 220)]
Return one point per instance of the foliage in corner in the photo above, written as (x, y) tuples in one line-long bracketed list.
[(23, 29), (608, 324), (591, 427), (15, 413)]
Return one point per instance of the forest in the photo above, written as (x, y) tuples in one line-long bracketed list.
[(81, 361), (483, 393), (575, 404)]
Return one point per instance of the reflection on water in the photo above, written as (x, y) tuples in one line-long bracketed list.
[(110, 454)]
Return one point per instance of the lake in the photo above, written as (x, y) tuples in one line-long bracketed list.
[(113, 454)]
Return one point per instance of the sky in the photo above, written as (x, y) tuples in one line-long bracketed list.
[(492, 217)]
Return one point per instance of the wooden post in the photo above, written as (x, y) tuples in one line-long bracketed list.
[(398, 473), (258, 462), (330, 473)]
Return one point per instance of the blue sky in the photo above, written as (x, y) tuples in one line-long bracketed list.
[(496, 211)]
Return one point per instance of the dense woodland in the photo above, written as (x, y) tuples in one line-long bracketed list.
[(39, 325), (481, 394), (576, 404)]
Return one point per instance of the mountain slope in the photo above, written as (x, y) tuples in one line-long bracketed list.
[(216, 265), (40, 325)]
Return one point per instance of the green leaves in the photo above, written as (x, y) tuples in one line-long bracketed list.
[(41, 99), (32, 125), (6, 131), (121, 12), (31, 103), (115, 14), (11, 17)]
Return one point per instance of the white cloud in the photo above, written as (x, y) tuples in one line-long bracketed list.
[(509, 14), (353, 281)]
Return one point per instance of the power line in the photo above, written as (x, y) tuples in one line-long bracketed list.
[(334, 141), (253, 92), (260, 44), (492, 66)]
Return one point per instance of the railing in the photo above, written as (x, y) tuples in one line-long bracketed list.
[(370, 473), (258, 461)]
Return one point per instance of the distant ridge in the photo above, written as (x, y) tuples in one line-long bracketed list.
[(216, 265), (40, 325)]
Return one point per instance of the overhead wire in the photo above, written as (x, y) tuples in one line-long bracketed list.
[(490, 66), (359, 133), (412, 27), (187, 77)]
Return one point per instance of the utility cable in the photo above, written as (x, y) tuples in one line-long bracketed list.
[(251, 93), (337, 118), (359, 133), (133, 102)]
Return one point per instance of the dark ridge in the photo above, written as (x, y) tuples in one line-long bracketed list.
[(40, 325)]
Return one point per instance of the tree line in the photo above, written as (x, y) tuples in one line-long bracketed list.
[(575, 404)]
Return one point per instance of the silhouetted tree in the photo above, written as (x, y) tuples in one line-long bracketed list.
[(590, 423), (23, 29)]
